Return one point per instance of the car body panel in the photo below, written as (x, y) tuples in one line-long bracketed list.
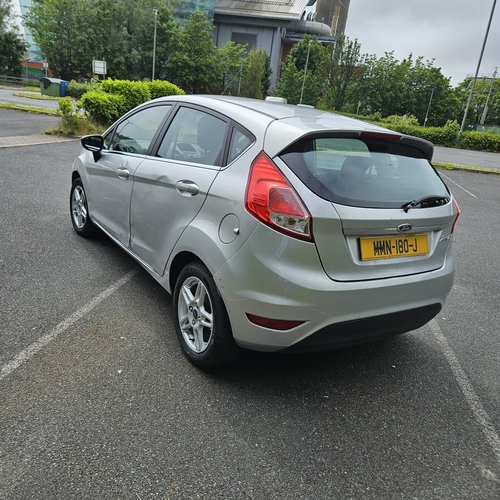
[(166, 197), (283, 279), (110, 182)]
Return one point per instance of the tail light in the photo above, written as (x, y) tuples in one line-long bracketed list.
[(456, 216), (271, 199)]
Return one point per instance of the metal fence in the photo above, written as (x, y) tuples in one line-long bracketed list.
[(14, 81)]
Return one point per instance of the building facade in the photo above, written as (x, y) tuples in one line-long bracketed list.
[(271, 25)]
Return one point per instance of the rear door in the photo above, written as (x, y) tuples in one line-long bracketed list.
[(365, 226), (170, 189)]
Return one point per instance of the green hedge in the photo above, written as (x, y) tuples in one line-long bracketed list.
[(76, 90), (103, 108), (481, 141), (160, 88), (135, 93), (113, 98)]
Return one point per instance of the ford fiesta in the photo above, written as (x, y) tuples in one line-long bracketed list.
[(274, 227)]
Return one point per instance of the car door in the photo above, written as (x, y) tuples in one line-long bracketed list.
[(169, 190), (111, 176)]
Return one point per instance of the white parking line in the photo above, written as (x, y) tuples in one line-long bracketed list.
[(471, 397), (458, 185), (26, 354)]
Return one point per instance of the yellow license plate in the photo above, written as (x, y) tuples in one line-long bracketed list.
[(390, 247)]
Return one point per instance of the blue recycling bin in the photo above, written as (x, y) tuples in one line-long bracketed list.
[(63, 85)]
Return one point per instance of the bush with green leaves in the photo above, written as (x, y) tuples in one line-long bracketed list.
[(68, 114), (134, 93), (103, 108), (444, 136), (113, 98), (76, 89), (480, 141), (161, 88)]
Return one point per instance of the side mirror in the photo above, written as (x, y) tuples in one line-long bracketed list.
[(93, 143)]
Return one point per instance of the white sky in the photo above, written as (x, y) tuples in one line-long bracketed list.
[(449, 31)]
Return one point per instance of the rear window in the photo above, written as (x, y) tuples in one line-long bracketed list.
[(365, 173)]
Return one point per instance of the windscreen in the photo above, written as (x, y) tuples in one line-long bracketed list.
[(365, 173)]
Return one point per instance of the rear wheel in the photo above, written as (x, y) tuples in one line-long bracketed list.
[(79, 210), (201, 320)]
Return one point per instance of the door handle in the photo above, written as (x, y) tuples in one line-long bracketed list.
[(187, 188), (123, 173)]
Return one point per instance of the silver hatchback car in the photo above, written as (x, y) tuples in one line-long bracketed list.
[(274, 227)]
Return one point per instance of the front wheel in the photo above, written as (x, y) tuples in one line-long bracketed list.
[(80, 211), (201, 320)]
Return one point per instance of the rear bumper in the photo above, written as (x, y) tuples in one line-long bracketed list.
[(359, 331), (274, 276)]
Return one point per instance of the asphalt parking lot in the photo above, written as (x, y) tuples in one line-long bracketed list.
[(97, 400)]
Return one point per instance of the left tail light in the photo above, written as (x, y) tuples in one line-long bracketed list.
[(271, 199), (456, 216)]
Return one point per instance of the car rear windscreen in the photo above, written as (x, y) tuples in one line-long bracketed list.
[(365, 173)]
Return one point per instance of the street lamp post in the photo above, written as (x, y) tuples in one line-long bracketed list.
[(305, 71), (477, 72), (154, 44), (429, 107)]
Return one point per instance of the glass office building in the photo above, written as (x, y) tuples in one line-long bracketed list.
[(183, 12)]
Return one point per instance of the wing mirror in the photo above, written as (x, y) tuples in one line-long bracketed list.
[(93, 143)]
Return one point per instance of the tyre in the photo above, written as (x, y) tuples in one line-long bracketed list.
[(79, 210), (201, 320)]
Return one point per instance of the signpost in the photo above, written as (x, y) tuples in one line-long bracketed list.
[(99, 67)]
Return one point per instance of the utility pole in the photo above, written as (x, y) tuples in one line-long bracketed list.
[(485, 111), (477, 72), (305, 71), (154, 45), (429, 107)]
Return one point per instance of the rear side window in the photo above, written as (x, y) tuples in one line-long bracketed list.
[(240, 141), (365, 173)]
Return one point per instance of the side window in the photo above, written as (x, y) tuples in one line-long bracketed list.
[(134, 135), (194, 136), (239, 142)]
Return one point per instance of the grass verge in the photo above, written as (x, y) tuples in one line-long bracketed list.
[(464, 168), (30, 109)]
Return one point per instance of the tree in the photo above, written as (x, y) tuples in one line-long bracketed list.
[(345, 69), (64, 30), (12, 44), (479, 99), (254, 74), (232, 59), (391, 87), (292, 83), (193, 64)]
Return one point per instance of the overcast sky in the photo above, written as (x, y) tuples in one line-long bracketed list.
[(449, 31)]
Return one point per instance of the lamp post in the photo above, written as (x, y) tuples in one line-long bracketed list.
[(477, 72), (429, 107), (154, 44), (305, 70)]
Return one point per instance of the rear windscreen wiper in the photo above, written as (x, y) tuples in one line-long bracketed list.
[(433, 198)]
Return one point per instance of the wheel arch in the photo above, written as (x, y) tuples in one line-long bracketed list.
[(180, 261)]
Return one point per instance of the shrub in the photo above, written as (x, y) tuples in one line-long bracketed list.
[(160, 88), (444, 136), (76, 90), (69, 116), (134, 93), (481, 141), (103, 108)]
